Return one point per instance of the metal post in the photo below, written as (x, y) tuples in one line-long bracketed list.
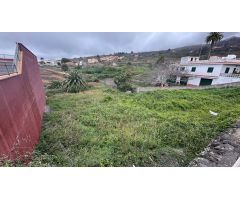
[(7, 69)]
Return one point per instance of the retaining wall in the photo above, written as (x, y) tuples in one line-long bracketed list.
[(22, 102)]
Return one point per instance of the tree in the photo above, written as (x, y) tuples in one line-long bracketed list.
[(123, 81), (212, 39), (65, 60), (160, 60), (166, 73)]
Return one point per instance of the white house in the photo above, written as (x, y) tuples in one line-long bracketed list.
[(48, 62), (216, 70)]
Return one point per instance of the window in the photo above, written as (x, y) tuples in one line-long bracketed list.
[(210, 70), (227, 70), (182, 69), (234, 70), (193, 69), (191, 59)]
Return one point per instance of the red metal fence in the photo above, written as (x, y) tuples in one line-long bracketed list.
[(22, 102)]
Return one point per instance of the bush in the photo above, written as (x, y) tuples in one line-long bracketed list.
[(90, 78), (55, 85), (65, 60), (74, 83), (102, 72), (123, 82), (64, 67), (160, 60)]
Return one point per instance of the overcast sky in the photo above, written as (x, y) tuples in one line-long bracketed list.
[(58, 45)]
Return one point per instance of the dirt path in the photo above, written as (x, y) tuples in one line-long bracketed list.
[(49, 75)]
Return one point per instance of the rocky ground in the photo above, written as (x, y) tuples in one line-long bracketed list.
[(224, 151)]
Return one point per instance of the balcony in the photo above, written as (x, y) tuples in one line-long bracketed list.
[(233, 75), (7, 65)]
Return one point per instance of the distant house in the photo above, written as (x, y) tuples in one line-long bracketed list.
[(216, 70), (92, 61), (71, 64), (48, 62), (110, 58)]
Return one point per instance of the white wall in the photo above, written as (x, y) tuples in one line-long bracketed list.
[(194, 81), (230, 70), (202, 70), (223, 80), (185, 60)]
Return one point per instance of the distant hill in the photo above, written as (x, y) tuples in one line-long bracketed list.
[(222, 48)]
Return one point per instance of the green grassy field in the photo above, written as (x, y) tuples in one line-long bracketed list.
[(104, 127)]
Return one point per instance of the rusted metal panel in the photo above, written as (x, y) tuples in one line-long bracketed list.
[(22, 102)]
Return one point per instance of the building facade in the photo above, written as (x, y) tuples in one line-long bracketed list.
[(215, 71)]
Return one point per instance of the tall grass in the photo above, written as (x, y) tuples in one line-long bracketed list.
[(104, 127)]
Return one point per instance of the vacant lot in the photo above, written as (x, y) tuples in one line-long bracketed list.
[(50, 74), (103, 127)]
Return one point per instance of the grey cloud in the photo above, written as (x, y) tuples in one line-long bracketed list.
[(57, 45)]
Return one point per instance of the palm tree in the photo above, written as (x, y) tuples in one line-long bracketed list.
[(212, 39)]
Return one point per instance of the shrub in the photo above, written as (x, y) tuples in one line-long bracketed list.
[(123, 81), (160, 60), (55, 85), (65, 60), (102, 72), (74, 83), (64, 67)]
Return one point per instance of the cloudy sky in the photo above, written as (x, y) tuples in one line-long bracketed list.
[(58, 45)]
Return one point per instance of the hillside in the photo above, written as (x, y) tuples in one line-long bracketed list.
[(228, 46)]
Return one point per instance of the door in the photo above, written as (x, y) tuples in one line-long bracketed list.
[(183, 80), (205, 81)]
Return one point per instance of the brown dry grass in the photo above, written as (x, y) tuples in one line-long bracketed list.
[(49, 75)]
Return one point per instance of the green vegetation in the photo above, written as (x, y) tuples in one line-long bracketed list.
[(104, 127), (55, 85), (74, 83), (213, 38), (123, 81), (64, 67), (101, 72), (160, 60)]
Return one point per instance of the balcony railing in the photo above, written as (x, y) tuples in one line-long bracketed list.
[(230, 75), (8, 64)]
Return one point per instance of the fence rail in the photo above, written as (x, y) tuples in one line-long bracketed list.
[(230, 75), (8, 64), (6, 56)]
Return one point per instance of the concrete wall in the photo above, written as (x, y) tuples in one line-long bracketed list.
[(231, 68), (223, 80), (202, 70), (22, 102), (194, 81)]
